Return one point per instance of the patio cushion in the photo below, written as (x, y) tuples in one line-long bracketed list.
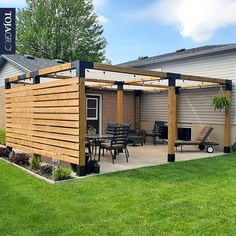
[(182, 142), (204, 134), (114, 146)]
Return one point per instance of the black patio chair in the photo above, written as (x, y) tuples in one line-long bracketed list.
[(136, 136), (117, 144), (111, 127), (157, 132)]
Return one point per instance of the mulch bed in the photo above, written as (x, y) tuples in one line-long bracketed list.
[(22, 160)]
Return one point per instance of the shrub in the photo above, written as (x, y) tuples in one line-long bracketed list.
[(4, 152), (35, 163), (234, 147), (21, 159), (2, 137), (61, 173)]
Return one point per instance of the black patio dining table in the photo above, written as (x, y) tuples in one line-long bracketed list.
[(96, 139)]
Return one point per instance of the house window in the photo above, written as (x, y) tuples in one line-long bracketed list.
[(92, 108)]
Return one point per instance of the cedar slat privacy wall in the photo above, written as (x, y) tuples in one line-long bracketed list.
[(44, 119)]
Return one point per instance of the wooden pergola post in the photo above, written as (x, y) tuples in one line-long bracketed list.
[(177, 106), (120, 95), (227, 131), (137, 94), (81, 67), (171, 119), (36, 80), (82, 125)]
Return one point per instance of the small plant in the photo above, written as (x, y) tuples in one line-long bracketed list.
[(61, 173), (221, 102), (21, 159), (91, 130), (2, 137), (233, 147), (4, 152), (35, 163)]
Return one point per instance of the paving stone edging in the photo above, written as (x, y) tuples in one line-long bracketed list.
[(41, 177)]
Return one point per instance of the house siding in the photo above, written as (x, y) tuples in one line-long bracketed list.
[(194, 105), (8, 70)]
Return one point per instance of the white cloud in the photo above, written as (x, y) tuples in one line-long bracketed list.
[(18, 2), (197, 19), (102, 19), (97, 5)]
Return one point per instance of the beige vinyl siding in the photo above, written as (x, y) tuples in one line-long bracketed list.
[(194, 107), (7, 70), (154, 107), (194, 104)]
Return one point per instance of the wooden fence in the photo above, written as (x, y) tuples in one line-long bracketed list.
[(45, 119)]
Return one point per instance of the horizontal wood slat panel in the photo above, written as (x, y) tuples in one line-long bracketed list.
[(66, 89), (44, 119), (61, 137), (69, 145), (59, 130), (44, 153), (54, 90), (57, 150), (50, 97), (61, 123), (67, 110), (59, 103), (20, 94), (44, 116)]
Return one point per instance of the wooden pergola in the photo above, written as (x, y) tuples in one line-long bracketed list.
[(143, 83)]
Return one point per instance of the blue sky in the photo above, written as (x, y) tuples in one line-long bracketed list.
[(136, 28)]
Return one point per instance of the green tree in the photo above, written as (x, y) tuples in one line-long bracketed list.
[(62, 29)]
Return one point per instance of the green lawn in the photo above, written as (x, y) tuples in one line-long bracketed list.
[(189, 198), (2, 137)]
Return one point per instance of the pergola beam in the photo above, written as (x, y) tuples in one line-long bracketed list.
[(202, 79), (126, 70), (199, 85)]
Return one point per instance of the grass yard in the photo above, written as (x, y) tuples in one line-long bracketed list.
[(189, 198), (2, 137)]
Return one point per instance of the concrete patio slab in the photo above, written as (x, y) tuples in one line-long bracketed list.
[(149, 155)]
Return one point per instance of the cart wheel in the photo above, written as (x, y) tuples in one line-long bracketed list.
[(210, 149), (201, 147)]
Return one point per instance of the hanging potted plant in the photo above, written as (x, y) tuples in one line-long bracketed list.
[(221, 102), (91, 130)]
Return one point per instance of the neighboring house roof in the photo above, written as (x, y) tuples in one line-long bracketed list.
[(179, 54), (28, 63)]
